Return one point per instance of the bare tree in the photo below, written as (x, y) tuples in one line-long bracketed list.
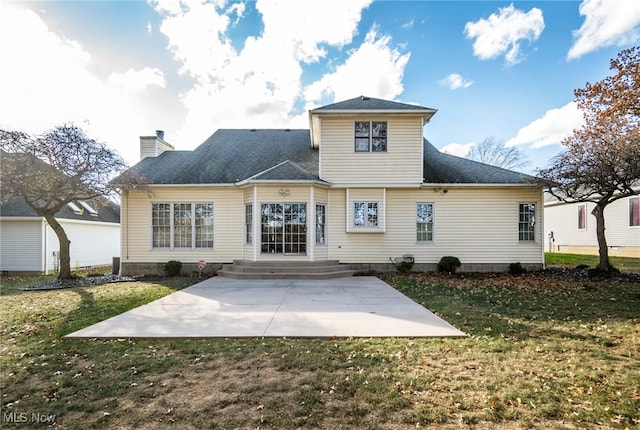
[(601, 162), (492, 151), (50, 170)]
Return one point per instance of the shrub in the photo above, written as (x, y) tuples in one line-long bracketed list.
[(172, 268), (404, 267), (448, 264), (516, 269)]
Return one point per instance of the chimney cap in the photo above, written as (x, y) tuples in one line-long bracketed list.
[(160, 134)]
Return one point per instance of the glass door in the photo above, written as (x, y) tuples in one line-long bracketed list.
[(284, 228)]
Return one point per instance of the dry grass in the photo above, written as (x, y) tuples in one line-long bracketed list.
[(542, 353)]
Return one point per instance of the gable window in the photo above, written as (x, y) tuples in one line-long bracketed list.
[(248, 223), (424, 222), (365, 214), (582, 217), (527, 222), (634, 212), (321, 212), (182, 225), (370, 136)]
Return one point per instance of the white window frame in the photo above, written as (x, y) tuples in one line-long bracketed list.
[(633, 199), (368, 205), (195, 236), (530, 233), (370, 136), (321, 224), (582, 216), (248, 223), (429, 224)]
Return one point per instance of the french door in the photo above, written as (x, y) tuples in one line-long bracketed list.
[(283, 228)]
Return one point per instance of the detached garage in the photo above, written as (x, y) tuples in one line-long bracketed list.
[(29, 245)]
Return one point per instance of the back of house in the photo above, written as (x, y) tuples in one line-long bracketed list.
[(361, 186)]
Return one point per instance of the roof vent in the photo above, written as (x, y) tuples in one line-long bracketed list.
[(287, 129), (160, 134), (253, 129), (364, 98)]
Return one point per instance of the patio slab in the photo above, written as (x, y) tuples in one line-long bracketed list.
[(361, 306)]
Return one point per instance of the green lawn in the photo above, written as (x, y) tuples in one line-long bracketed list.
[(624, 264), (541, 353)]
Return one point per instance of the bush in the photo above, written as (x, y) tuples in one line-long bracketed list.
[(172, 268), (448, 264), (516, 269)]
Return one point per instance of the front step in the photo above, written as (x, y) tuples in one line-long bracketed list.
[(242, 269)]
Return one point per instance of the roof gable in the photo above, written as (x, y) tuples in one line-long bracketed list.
[(364, 103)]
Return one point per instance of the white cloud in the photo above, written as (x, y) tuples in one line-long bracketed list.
[(455, 81), (135, 81), (50, 82), (373, 69), (259, 85), (551, 129), (503, 32), (459, 149), (606, 23)]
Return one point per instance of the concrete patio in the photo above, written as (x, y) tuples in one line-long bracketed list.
[(222, 307)]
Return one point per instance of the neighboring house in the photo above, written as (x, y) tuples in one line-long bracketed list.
[(29, 245), (361, 186), (571, 228)]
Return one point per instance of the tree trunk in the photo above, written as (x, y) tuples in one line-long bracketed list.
[(603, 249), (65, 257)]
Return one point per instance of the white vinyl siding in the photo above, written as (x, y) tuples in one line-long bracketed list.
[(477, 225), (21, 245), (560, 218), (228, 228), (92, 243), (28, 245), (400, 164)]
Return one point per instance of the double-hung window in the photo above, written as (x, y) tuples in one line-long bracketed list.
[(634, 212), (248, 223), (582, 217), (424, 222), (182, 225), (527, 222), (321, 224), (370, 136), (365, 214)]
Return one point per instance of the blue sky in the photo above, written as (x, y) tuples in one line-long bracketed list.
[(122, 69)]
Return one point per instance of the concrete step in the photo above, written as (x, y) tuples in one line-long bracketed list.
[(242, 269)]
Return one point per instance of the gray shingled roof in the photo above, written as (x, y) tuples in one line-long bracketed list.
[(16, 207), (441, 168), (230, 156), (372, 104)]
